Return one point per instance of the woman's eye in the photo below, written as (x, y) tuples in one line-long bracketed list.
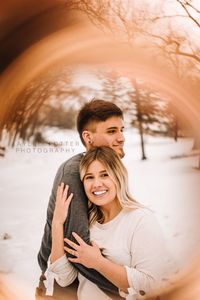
[(104, 175), (88, 177)]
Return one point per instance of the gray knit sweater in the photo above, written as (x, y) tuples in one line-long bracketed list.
[(76, 221)]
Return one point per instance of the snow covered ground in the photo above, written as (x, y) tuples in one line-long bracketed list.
[(169, 186)]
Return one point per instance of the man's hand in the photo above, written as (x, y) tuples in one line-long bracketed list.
[(89, 256)]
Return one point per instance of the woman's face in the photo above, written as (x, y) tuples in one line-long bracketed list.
[(99, 187)]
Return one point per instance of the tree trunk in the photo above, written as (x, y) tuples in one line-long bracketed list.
[(176, 131), (2, 151), (196, 143), (196, 146), (139, 117)]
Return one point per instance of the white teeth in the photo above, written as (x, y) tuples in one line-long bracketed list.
[(99, 193)]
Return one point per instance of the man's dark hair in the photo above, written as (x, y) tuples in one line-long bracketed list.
[(96, 111)]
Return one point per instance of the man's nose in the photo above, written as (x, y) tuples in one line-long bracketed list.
[(120, 137)]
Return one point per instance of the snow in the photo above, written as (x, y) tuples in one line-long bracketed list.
[(168, 186)]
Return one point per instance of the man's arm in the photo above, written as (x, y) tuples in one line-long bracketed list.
[(45, 248), (77, 220), (66, 173)]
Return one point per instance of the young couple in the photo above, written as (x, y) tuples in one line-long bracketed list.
[(95, 230)]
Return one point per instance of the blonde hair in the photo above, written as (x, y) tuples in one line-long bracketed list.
[(117, 172)]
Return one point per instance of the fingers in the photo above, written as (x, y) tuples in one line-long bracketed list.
[(94, 244), (78, 238), (72, 244), (69, 199), (62, 193), (65, 190), (75, 260), (59, 191), (71, 251)]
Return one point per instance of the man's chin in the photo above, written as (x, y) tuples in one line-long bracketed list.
[(121, 153)]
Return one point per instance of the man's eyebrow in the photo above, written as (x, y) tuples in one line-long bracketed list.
[(114, 127)]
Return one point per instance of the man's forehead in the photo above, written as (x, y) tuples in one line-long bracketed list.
[(113, 122)]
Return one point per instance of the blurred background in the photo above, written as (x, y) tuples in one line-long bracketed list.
[(57, 55)]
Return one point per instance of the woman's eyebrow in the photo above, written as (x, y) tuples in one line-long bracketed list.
[(103, 171), (88, 174)]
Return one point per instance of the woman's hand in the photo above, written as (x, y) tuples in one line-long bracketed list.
[(62, 204), (89, 256)]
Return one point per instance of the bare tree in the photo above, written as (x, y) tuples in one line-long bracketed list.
[(39, 103), (163, 32), (138, 23), (130, 21)]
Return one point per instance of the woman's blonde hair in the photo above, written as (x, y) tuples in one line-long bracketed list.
[(117, 172)]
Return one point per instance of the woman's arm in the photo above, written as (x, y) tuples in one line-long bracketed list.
[(59, 217), (151, 263), (113, 272), (59, 268), (148, 258), (91, 257)]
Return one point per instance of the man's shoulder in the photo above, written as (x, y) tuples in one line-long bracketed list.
[(74, 159), (72, 164)]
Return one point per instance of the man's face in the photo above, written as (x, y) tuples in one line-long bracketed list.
[(110, 133)]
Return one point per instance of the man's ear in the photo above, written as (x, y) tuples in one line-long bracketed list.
[(87, 137)]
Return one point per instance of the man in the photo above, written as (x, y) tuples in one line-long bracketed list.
[(99, 123)]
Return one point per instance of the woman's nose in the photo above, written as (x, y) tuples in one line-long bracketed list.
[(97, 182)]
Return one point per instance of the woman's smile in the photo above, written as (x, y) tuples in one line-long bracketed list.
[(100, 193), (99, 186)]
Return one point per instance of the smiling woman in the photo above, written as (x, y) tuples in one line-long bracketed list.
[(105, 182), (120, 230)]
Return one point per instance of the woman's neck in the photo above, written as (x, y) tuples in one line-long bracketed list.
[(111, 210)]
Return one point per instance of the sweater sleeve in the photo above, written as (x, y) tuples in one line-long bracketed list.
[(68, 173), (148, 257), (62, 271), (77, 220)]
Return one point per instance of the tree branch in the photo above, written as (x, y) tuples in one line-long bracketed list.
[(184, 6), (195, 57)]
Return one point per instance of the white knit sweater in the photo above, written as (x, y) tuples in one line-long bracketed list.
[(132, 239)]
